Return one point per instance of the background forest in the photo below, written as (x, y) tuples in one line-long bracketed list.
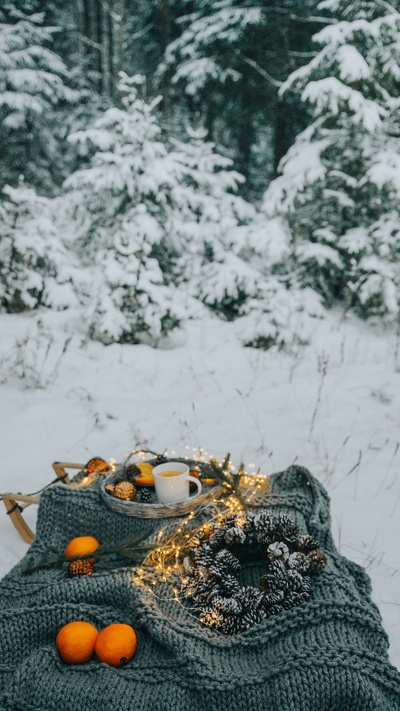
[(183, 157)]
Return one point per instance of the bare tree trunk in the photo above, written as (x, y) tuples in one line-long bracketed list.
[(121, 37), (105, 23), (111, 46), (245, 126), (119, 43), (166, 24), (99, 40), (79, 22)]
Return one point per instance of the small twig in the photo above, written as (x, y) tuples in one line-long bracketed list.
[(275, 82), (395, 506), (253, 418), (323, 361), (357, 464), (388, 469)]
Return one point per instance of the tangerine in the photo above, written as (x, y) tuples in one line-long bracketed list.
[(116, 644), (76, 641), (82, 545)]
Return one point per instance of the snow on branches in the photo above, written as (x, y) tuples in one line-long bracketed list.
[(339, 185)]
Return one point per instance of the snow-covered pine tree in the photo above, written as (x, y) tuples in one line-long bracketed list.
[(204, 227), (32, 86), (35, 268), (339, 186), (227, 63), (154, 218)]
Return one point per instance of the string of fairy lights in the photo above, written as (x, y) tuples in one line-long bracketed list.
[(161, 572), (163, 564)]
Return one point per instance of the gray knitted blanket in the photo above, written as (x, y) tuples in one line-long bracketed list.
[(328, 654)]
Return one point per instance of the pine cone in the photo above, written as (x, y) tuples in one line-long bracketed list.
[(269, 584), (317, 561), (144, 496), (290, 533), (299, 561), (188, 564), (227, 561), (295, 580), (251, 598), (307, 543), (204, 556), (212, 618), (130, 472), (125, 490), (80, 567), (230, 585), (296, 598), (229, 605), (235, 535), (273, 598), (278, 550), (263, 527), (207, 529), (216, 538), (96, 464), (251, 618), (277, 568), (281, 520)]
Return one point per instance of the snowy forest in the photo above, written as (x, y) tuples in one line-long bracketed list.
[(184, 158)]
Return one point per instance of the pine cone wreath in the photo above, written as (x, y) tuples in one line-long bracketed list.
[(213, 566)]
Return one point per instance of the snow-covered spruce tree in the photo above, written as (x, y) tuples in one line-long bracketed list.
[(32, 87), (155, 220), (226, 63), (339, 186), (35, 268), (229, 254), (204, 228)]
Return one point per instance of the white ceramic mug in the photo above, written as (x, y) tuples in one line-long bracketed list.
[(175, 488)]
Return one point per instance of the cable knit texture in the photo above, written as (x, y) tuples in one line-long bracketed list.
[(328, 654)]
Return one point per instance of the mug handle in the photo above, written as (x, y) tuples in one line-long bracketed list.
[(195, 481)]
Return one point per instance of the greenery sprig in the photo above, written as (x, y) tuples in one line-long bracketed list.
[(129, 548), (230, 480)]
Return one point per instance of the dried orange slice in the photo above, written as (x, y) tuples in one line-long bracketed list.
[(145, 478)]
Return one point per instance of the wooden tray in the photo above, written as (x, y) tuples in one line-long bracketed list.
[(139, 510)]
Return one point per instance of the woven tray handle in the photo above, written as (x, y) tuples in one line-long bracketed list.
[(16, 503)]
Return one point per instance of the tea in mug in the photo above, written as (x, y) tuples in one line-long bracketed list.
[(170, 473)]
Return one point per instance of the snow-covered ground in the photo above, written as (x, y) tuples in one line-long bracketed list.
[(333, 407)]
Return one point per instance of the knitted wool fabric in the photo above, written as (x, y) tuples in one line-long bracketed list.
[(328, 654)]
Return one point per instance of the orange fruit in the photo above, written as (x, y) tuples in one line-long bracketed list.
[(82, 545), (146, 473), (116, 644), (76, 641)]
